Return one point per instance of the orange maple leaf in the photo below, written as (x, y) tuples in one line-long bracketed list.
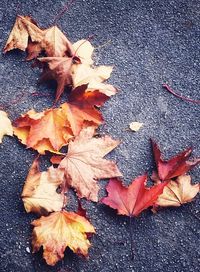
[(84, 163), (48, 130), (81, 108), (51, 129), (58, 231)]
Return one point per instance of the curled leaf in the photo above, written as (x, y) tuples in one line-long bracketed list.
[(27, 35), (174, 167)]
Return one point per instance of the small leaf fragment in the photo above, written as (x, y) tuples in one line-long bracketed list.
[(135, 126), (5, 125), (58, 231)]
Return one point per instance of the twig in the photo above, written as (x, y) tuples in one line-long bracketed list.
[(60, 14), (104, 44), (180, 96)]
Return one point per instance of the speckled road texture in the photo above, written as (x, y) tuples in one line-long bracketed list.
[(151, 42)]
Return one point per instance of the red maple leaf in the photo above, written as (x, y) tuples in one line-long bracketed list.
[(174, 167), (135, 198)]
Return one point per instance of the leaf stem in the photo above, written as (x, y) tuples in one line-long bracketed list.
[(131, 236), (180, 96)]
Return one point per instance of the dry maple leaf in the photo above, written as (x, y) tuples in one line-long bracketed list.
[(58, 69), (83, 73), (135, 198), (5, 125), (178, 192), (135, 126), (94, 77), (81, 108), (51, 129), (48, 130), (84, 51), (58, 231), (40, 190), (174, 167), (27, 35), (23, 28), (84, 163)]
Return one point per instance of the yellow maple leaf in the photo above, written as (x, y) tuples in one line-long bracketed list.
[(5, 125), (39, 193), (58, 231), (178, 192)]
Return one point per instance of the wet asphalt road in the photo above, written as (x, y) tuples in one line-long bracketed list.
[(152, 42)]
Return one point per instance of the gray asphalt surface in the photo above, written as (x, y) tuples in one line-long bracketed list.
[(152, 42)]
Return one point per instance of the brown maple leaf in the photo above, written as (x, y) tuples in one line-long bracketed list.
[(84, 163), (174, 167), (48, 130), (27, 35), (24, 28), (60, 230), (135, 198), (178, 192), (58, 69), (40, 190)]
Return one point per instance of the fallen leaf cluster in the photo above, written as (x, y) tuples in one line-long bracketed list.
[(73, 125)]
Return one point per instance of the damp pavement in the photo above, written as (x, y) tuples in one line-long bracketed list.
[(149, 42)]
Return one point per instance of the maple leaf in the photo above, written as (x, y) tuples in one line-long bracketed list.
[(84, 163), (51, 129), (5, 125), (84, 50), (39, 193), (23, 28), (48, 130), (27, 35), (58, 231), (58, 69), (83, 73), (81, 108), (174, 167), (178, 192), (94, 77), (135, 198)]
